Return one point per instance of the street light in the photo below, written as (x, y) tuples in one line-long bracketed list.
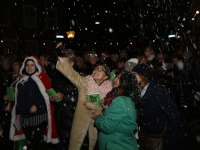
[(97, 22), (197, 12), (70, 34)]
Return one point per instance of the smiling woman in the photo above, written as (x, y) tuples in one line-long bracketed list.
[(30, 67), (33, 107), (96, 83)]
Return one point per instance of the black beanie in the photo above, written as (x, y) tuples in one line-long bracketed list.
[(144, 70)]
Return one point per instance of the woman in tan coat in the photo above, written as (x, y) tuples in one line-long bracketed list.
[(96, 83)]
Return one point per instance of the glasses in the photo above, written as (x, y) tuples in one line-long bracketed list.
[(99, 70)]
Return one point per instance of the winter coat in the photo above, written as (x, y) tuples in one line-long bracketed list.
[(181, 87), (28, 95), (82, 118), (117, 125), (65, 109), (193, 67), (159, 108)]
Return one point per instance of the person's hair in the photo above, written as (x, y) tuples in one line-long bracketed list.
[(107, 70), (91, 53), (7, 62), (24, 69), (69, 51), (72, 58), (129, 84), (141, 56), (80, 62), (179, 57), (150, 49), (145, 81), (19, 62), (45, 56), (86, 53), (123, 59)]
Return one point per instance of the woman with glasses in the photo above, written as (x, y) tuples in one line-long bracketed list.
[(96, 83), (122, 107)]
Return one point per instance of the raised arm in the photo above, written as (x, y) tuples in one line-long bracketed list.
[(67, 70)]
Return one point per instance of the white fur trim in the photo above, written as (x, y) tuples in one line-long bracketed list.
[(12, 129), (36, 64), (104, 55), (53, 141), (46, 98)]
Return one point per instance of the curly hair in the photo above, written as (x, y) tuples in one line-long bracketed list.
[(129, 85)]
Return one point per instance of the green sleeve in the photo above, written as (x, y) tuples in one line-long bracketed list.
[(117, 111)]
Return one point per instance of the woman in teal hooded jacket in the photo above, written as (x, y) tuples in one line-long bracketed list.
[(122, 107)]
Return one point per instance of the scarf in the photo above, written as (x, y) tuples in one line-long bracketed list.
[(103, 88), (111, 95)]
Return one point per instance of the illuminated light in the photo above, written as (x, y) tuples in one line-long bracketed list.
[(131, 43), (110, 43), (171, 36), (153, 40), (97, 22), (43, 43), (70, 34), (59, 36), (95, 43), (179, 36), (1, 41), (197, 12)]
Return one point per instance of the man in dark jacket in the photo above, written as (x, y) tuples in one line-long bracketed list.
[(159, 108)]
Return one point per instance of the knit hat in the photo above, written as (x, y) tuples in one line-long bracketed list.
[(144, 70), (187, 53), (123, 53), (105, 54), (131, 63)]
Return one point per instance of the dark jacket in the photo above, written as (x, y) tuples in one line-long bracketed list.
[(159, 108), (65, 109), (29, 94), (193, 67), (181, 86)]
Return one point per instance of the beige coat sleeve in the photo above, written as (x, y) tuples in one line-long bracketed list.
[(67, 70)]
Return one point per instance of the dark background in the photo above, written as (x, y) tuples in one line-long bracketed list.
[(28, 26)]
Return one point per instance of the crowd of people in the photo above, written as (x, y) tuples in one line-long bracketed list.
[(146, 106)]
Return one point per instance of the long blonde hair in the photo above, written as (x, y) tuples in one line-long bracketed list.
[(80, 62)]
